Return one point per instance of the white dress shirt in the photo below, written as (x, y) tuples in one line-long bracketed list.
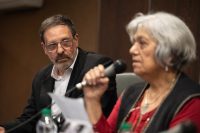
[(60, 87)]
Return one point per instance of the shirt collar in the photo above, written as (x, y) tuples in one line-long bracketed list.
[(54, 72)]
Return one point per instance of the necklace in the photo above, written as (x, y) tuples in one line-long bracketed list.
[(144, 109)]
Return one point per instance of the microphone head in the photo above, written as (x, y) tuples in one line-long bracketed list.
[(120, 66)]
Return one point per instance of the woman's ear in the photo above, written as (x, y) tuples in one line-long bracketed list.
[(170, 59)]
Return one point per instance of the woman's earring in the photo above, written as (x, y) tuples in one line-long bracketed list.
[(166, 68)]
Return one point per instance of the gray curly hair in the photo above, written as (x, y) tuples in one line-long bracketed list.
[(173, 37)]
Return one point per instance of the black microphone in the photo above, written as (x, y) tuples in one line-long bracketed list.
[(184, 127), (118, 66)]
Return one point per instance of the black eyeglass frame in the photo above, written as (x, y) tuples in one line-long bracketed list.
[(56, 43)]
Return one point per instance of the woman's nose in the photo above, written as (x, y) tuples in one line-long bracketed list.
[(134, 49)]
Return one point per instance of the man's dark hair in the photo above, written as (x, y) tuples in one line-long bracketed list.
[(56, 20)]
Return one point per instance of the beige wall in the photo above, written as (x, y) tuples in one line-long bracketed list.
[(21, 54)]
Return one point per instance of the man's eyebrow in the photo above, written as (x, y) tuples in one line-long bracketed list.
[(52, 42), (66, 38)]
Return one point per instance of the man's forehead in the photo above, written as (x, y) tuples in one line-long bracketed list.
[(59, 31)]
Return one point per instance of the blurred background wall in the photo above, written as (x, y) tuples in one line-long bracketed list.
[(101, 28)]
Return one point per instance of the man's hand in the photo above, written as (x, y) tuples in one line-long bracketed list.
[(2, 130)]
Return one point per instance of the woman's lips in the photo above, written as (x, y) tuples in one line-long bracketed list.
[(135, 62)]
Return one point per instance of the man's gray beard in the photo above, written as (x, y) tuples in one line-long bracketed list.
[(64, 65)]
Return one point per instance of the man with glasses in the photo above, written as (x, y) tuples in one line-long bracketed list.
[(69, 65)]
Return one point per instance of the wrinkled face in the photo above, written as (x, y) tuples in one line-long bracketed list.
[(61, 58), (142, 52)]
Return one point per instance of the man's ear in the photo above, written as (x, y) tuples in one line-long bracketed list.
[(44, 48), (76, 40)]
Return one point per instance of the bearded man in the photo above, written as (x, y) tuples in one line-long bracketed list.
[(69, 64)]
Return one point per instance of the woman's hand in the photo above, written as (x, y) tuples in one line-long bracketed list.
[(2, 130), (96, 84), (93, 92)]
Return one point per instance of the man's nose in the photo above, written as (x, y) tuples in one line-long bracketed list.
[(60, 49)]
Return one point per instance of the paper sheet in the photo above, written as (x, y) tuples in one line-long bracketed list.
[(72, 108)]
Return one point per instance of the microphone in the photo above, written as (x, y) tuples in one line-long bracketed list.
[(118, 66), (184, 127)]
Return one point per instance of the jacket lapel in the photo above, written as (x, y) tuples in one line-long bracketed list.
[(47, 85), (78, 66)]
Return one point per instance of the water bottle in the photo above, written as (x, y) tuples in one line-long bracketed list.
[(46, 123), (125, 128)]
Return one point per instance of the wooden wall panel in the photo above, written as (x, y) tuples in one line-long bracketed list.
[(115, 15)]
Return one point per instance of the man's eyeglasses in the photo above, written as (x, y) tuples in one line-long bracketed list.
[(52, 47)]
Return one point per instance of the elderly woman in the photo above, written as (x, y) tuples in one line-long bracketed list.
[(162, 46)]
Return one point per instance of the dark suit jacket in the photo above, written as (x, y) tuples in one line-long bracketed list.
[(43, 83)]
